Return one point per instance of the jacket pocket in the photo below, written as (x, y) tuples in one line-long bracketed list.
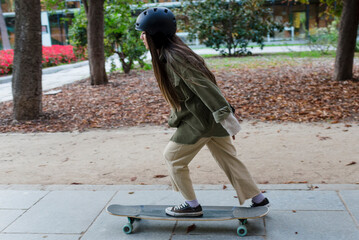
[(173, 120)]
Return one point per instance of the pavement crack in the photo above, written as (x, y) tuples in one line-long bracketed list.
[(173, 230), (347, 208)]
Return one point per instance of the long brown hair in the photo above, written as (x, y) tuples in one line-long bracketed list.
[(169, 48)]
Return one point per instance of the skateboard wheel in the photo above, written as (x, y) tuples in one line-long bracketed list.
[(127, 228), (242, 231)]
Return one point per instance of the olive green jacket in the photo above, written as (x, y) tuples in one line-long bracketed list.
[(203, 106)]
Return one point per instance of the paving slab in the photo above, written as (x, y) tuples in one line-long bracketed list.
[(351, 199), (210, 237), (10, 199), (304, 200), (219, 198), (283, 186), (66, 212), (147, 197), (220, 229), (8, 216), (108, 227), (260, 186), (62, 187), (38, 237), (336, 187), (318, 225)]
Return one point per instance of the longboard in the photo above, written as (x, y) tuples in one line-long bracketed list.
[(210, 213)]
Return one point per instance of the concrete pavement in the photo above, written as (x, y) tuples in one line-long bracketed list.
[(59, 212)]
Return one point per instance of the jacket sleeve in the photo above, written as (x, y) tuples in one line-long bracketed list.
[(231, 125), (206, 90)]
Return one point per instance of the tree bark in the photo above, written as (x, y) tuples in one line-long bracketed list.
[(95, 36), (27, 74), (348, 30), (4, 35), (84, 2)]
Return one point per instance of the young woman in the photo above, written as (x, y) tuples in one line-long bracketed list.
[(199, 111)]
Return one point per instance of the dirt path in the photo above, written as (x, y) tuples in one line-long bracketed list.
[(274, 153)]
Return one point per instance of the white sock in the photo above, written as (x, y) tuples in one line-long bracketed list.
[(259, 198), (193, 203)]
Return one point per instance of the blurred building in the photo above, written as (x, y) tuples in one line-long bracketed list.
[(298, 18), (54, 28)]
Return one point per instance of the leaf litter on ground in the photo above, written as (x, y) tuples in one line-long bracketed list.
[(304, 92)]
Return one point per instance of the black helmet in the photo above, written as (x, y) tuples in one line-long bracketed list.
[(157, 20)]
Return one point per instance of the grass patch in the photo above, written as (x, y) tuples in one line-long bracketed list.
[(264, 60), (306, 54), (256, 61), (249, 46)]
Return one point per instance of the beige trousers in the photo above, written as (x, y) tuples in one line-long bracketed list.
[(178, 156)]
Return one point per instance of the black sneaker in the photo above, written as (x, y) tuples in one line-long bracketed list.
[(184, 210), (265, 203)]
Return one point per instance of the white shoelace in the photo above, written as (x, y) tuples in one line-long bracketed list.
[(183, 205)]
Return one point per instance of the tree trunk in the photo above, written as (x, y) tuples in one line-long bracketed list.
[(95, 36), (348, 30), (26, 81), (4, 35)]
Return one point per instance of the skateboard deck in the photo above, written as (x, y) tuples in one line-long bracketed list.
[(210, 213)]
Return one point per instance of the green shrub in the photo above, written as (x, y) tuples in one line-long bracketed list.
[(322, 39), (78, 34), (120, 36), (231, 24)]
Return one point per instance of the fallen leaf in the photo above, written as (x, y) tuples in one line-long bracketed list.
[(224, 187), (294, 211), (296, 182), (160, 176), (131, 192), (263, 191), (352, 163), (75, 183), (313, 187), (133, 179), (321, 138), (191, 228)]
